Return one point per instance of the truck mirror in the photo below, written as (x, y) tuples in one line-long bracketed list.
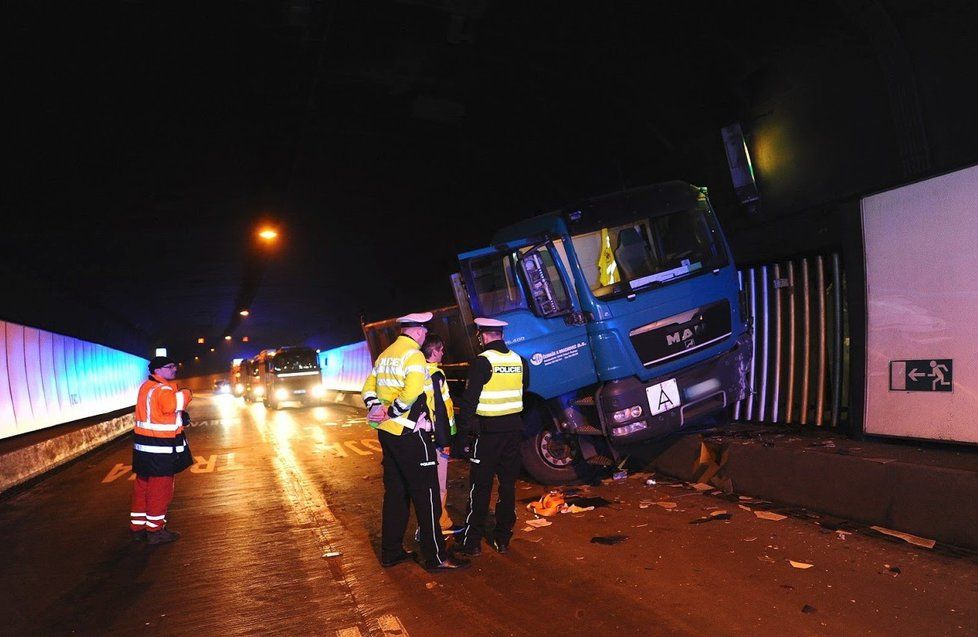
[(547, 299)]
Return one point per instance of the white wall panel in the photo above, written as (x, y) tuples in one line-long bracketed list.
[(922, 304), (48, 379), (8, 423), (17, 375), (35, 385)]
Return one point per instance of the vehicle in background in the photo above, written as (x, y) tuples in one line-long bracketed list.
[(222, 386), (629, 312), (235, 376), (287, 375)]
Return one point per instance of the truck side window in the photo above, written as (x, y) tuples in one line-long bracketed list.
[(494, 285), (546, 286)]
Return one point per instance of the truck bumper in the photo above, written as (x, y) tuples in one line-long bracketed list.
[(707, 388)]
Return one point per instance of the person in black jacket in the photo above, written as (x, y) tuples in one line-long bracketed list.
[(491, 425)]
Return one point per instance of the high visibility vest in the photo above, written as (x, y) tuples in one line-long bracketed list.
[(503, 394), (429, 392), (159, 408), (397, 380)]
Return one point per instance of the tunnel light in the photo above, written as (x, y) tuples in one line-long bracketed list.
[(200, 341), (268, 234), (212, 349), (160, 351), (227, 338), (244, 312), (244, 339)]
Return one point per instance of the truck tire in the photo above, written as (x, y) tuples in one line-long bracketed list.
[(549, 456)]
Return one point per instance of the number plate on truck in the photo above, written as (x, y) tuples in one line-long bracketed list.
[(663, 397)]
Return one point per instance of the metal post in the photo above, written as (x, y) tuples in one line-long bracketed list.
[(806, 328), (762, 408), (820, 388), (836, 338), (792, 341), (753, 338), (776, 389)]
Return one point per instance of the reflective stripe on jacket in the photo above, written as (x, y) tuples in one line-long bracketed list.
[(503, 393), (159, 408), (396, 381), (159, 443)]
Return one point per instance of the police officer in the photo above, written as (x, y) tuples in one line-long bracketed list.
[(394, 396), (490, 417)]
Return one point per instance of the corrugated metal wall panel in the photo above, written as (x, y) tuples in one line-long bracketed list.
[(800, 355)]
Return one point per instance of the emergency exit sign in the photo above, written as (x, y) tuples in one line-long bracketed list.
[(928, 374)]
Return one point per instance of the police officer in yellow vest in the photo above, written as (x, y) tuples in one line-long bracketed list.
[(394, 396), (490, 416)]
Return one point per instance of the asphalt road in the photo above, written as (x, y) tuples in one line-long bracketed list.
[(274, 493)]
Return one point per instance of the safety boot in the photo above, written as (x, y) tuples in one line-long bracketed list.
[(163, 536)]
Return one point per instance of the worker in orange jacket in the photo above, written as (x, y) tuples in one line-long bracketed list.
[(160, 451)]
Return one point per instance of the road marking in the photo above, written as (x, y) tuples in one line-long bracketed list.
[(391, 625), (202, 464), (352, 446), (349, 632)]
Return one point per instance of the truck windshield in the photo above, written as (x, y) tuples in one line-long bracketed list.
[(295, 361), (649, 251)]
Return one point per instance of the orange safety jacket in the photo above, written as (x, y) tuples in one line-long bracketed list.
[(159, 444)]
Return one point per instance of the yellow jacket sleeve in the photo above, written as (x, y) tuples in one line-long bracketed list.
[(369, 391)]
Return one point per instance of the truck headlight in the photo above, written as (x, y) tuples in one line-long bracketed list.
[(318, 391), (239, 388), (629, 413), (259, 390), (281, 394)]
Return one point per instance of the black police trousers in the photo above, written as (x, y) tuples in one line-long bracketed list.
[(493, 455), (411, 476)]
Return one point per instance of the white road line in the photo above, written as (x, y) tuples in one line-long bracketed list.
[(391, 625)]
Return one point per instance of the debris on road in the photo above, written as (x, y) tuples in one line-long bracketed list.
[(547, 505), (801, 565), (767, 515), (573, 508), (716, 515), (808, 609), (331, 554), (430, 585), (893, 569), (608, 539), (539, 523), (699, 486), (906, 537), (666, 505)]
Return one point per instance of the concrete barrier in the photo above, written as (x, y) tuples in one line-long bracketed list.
[(22, 463), (923, 491)]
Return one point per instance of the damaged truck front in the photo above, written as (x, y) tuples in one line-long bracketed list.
[(628, 309)]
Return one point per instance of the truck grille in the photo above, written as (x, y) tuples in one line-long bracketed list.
[(681, 334)]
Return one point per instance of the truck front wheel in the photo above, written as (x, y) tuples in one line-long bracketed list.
[(550, 456)]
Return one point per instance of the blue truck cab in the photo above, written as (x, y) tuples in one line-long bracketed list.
[(629, 312)]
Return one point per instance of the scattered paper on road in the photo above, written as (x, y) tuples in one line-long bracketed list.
[(539, 522), (767, 515), (906, 537)]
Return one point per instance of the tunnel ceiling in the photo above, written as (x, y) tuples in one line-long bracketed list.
[(148, 141)]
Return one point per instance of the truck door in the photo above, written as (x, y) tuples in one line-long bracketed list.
[(526, 285)]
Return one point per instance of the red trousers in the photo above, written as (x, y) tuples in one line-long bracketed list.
[(151, 495)]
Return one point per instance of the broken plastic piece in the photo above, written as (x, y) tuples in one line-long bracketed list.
[(767, 515), (801, 565), (906, 537), (331, 554)]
